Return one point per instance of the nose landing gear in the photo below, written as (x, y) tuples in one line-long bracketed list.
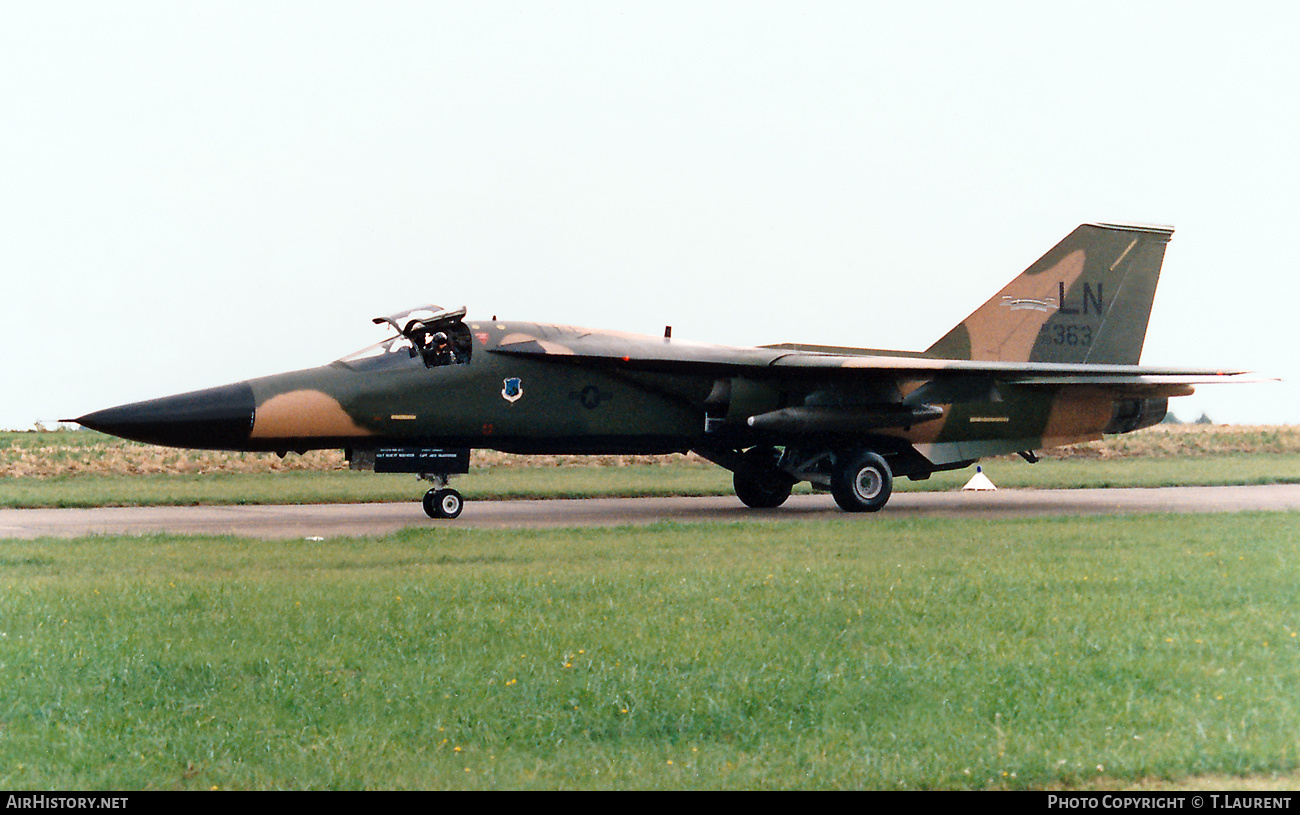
[(441, 501), (445, 503)]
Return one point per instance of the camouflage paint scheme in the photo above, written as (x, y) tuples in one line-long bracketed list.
[(1050, 360)]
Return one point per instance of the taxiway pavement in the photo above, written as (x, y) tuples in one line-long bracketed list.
[(359, 520)]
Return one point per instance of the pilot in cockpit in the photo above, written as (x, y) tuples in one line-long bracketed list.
[(434, 346), (437, 342), (443, 352)]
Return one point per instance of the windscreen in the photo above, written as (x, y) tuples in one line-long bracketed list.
[(392, 352)]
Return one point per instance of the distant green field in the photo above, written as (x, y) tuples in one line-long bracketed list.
[(337, 486), (905, 653)]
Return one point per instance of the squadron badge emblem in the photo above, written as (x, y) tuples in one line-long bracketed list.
[(512, 389)]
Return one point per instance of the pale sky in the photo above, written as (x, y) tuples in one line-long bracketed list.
[(193, 194)]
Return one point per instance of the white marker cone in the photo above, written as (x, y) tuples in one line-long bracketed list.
[(979, 481)]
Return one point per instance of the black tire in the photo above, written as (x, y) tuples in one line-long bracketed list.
[(758, 482), (863, 484), (443, 504)]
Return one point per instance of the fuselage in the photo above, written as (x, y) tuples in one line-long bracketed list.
[(522, 404)]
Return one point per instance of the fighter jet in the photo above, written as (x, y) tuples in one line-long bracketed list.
[(1050, 360)]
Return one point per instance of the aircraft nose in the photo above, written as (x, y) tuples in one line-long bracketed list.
[(215, 419)]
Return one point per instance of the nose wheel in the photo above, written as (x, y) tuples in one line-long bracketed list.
[(443, 503)]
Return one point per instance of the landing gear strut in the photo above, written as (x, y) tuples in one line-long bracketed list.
[(441, 501)]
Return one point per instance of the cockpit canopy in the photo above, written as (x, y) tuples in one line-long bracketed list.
[(429, 315), (435, 335)]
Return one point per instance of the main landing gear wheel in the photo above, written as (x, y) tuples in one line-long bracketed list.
[(758, 482), (443, 503), (862, 484)]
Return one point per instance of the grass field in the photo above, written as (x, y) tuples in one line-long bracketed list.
[(1135, 651), (900, 654)]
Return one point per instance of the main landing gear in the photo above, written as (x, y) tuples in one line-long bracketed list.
[(441, 501), (859, 480), (863, 483), (759, 482)]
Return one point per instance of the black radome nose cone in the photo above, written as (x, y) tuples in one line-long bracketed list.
[(213, 419)]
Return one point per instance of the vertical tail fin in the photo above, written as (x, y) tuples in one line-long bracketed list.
[(1087, 300)]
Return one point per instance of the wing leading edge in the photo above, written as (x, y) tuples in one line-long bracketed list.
[(648, 353)]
